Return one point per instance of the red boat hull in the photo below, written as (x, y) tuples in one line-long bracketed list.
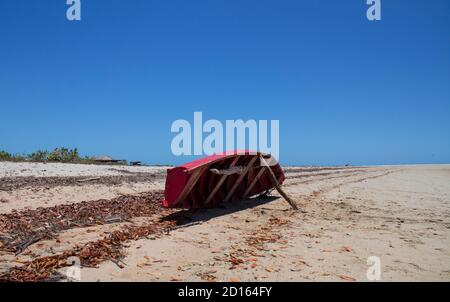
[(193, 185)]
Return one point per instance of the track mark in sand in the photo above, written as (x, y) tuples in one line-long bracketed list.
[(315, 208), (359, 180), (308, 181), (21, 229), (351, 172), (407, 220), (317, 193), (315, 169)]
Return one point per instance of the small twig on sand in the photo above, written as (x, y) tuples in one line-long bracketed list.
[(22, 246), (56, 277), (117, 262), (113, 219), (184, 225), (89, 179)]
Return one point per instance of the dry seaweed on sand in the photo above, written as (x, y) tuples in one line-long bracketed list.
[(23, 228), (90, 255)]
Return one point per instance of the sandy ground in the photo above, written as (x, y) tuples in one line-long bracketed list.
[(400, 214), (12, 169)]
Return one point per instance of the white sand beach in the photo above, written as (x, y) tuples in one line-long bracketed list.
[(400, 214)]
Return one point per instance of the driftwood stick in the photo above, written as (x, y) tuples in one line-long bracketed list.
[(113, 219), (89, 179), (184, 225), (117, 262), (22, 246), (275, 183)]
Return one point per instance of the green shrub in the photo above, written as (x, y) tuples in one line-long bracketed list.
[(64, 155), (40, 155), (19, 157), (5, 155)]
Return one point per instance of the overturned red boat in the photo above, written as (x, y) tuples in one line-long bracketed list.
[(228, 176)]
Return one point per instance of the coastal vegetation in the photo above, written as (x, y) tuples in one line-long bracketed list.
[(60, 155)]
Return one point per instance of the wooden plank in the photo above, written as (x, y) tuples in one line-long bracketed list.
[(240, 179), (275, 183), (195, 176), (220, 182), (89, 179), (254, 182)]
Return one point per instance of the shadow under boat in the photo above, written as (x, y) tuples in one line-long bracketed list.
[(188, 217)]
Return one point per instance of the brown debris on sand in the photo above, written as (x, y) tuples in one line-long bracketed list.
[(90, 255), (23, 228)]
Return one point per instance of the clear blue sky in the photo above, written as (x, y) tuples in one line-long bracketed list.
[(345, 90)]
